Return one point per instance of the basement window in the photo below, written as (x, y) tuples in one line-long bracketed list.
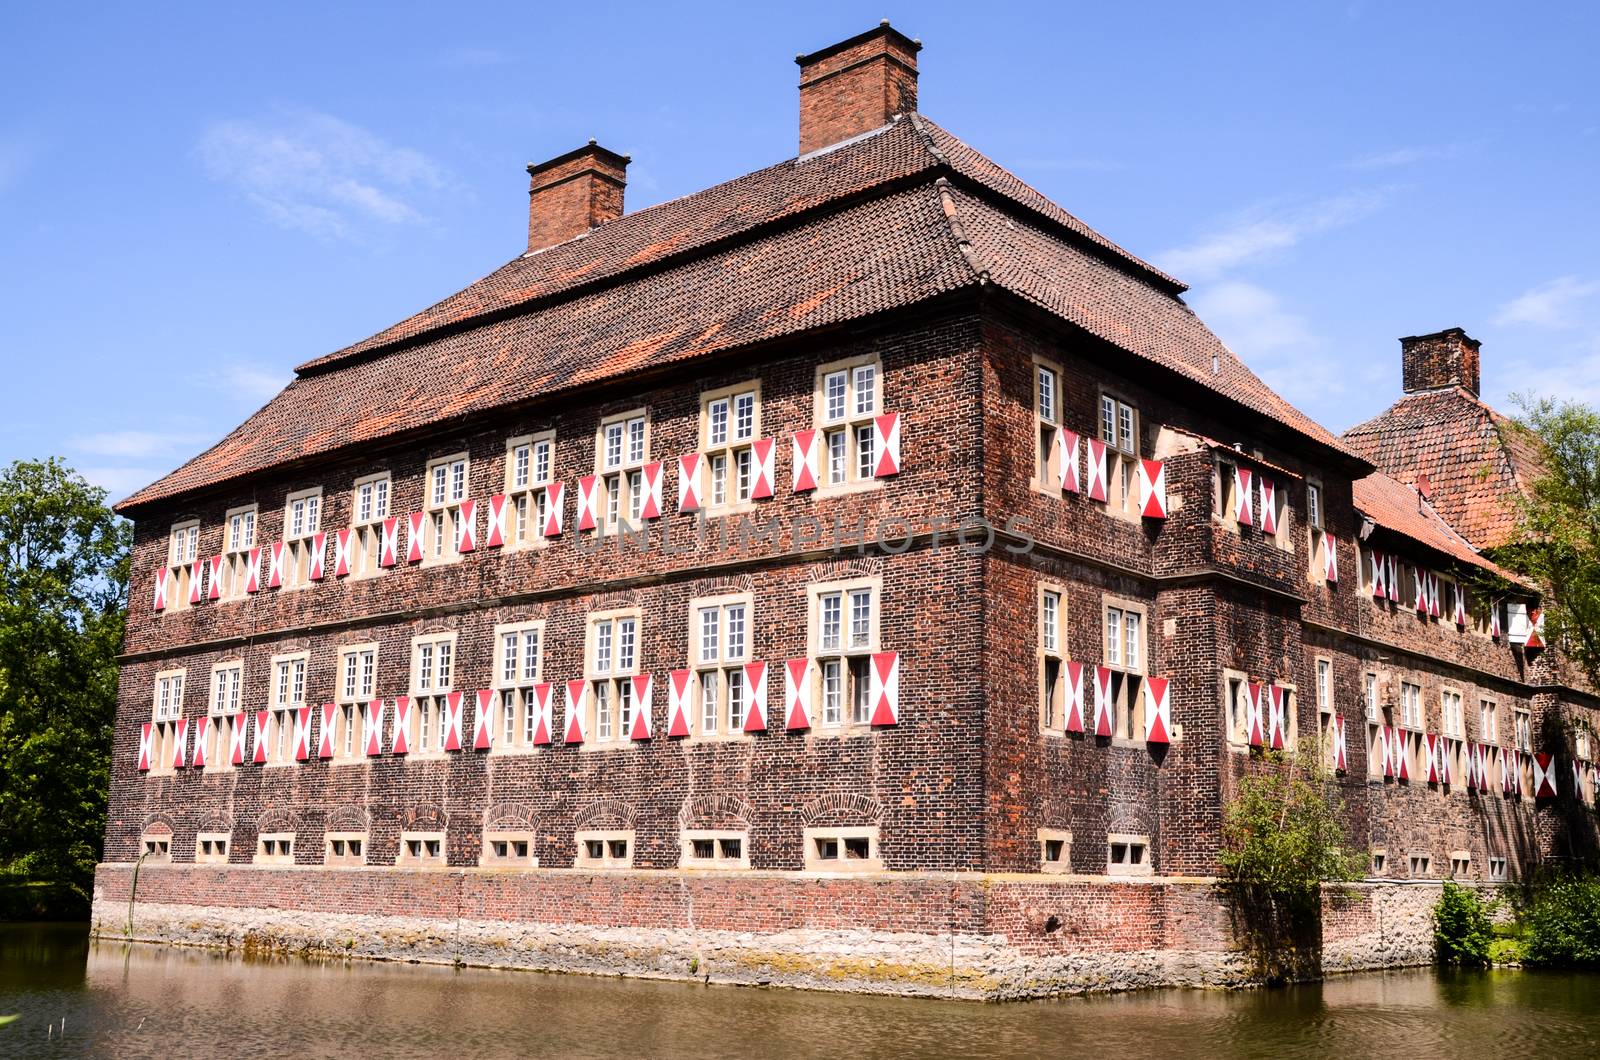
[(507, 850), (1055, 850), (842, 850), (605, 850), (1128, 855), (275, 848), (1497, 869), (1380, 861), (158, 847), (1460, 864), (211, 848), (1421, 866), (345, 849), (715, 850), (421, 849)]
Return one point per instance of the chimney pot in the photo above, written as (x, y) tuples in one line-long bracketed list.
[(856, 86), (1444, 358), (573, 193)]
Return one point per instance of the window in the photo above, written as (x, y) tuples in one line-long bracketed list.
[(345, 849), (369, 507), (358, 684), (518, 663), (1325, 734), (183, 548), (302, 520), (730, 421), (238, 538), (166, 709), (211, 848), (1411, 705), (275, 848), (719, 647), (1460, 864), (1524, 733), (1047, 416), (714, 850), (847, 400), (1450, 706), (1055, 850), (604, 850), (1421, 865), (1236, 707), (447, 485), (843, 635), (1379, 862), (288, 696), (421, 849), (1317, 540), (156, 847), (529, 461), (1581, 742), (842, 849), (1369, 695), (1488, 721), (1119, 429), (1124, 624), (1128, 855), (1052, 659), (226, 678), (613, 656), (621, 450), (504, 850), (432, 681), (1497, 869)]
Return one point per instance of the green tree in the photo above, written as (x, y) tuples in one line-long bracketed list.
[(1281, 833), (1463, 926), (63, 587)]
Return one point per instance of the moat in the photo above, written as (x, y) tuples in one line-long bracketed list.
[(142, 1000)]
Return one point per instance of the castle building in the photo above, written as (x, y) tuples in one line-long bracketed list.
[(862, 543)]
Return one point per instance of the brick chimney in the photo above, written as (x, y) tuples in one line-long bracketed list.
[(1444, 358), (573, 193), (856, 86)]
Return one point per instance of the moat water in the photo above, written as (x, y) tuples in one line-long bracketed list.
[(77, 997)]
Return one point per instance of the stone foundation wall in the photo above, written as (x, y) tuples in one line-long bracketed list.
[(946, 935)]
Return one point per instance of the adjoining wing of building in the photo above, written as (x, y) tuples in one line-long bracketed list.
[(863, 544)]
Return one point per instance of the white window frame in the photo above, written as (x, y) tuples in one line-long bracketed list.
[(275, 848), (515, 702), (583, 858), (848, 429), (433, 668), (1122, 434), (220, 843), (183, 551), (1049, 413), (843, 667), (1128, 854), (619, 478), (720, 857), (1051, 648), (727, 464), (528, 495), (1059, 842), (287, 670), (349, 734), (446, 483), (718, 673), (347, 850), (1116, 625), (847, 842), (240, 528), (609, 700), (226, 701), (491, 858), (423, 849), (366, 540), (297, 542), (166, 708)]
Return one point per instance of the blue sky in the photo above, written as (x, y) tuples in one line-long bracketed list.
[(194, 198)]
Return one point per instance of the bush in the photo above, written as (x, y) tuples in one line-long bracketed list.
[(1564, 923), (1463, 929), (1281, 832)]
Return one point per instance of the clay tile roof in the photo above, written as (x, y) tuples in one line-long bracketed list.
[(1478, 464), (1397, 507), (881, 222)]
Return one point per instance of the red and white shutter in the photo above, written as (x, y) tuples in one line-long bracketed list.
[(1157, 711), (1494, 620), (1067, 448), (1535, 641), (544, 723), (400, 737), (302, 733), (325, 737), (1433, 594), (237, 737), (1446, 756), (214, 565), (803, 470), (258, 753), (1460, 615), (1074, 696), (1243, 498), (341, 552), (494, 532), (1339, 746), (452, 721), (1402, 760), (275, 565), (1097, 470), (884, 688), (1378, 588), (319, 549), (252, 571), (1431, 750), (644, 704), (1152, 489), (1269, 504), (1103, 706), (761, 451), (1255, 726), (576, 693), (1544, 776), (1577, 779), (678, 696), (1384, 738), (159, 603), (144, 747), (466, 541), (555, 509), (416, 532), (797, 694), (887, 445), (373, 727), (389, 543), (483, 721), (197, 581), (755, 685), (652, 506), (1330, 557), (588, 503), (689, 482), (180, 744), (1275, 717)]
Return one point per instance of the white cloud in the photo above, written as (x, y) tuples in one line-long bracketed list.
[(119, 482), (1549, 306), (252, 384), (1262, 232), (1403, 156), (1251, 318), (1569, 372), (317, 173), (135, 445)]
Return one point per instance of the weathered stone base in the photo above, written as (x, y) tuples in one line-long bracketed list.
[(939, 935)]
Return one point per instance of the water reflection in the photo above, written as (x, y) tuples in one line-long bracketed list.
[(128, 1001)]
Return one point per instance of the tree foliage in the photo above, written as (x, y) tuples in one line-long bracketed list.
[(63, 584), (1563, 922), (1463, 926), (1281, 833)]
